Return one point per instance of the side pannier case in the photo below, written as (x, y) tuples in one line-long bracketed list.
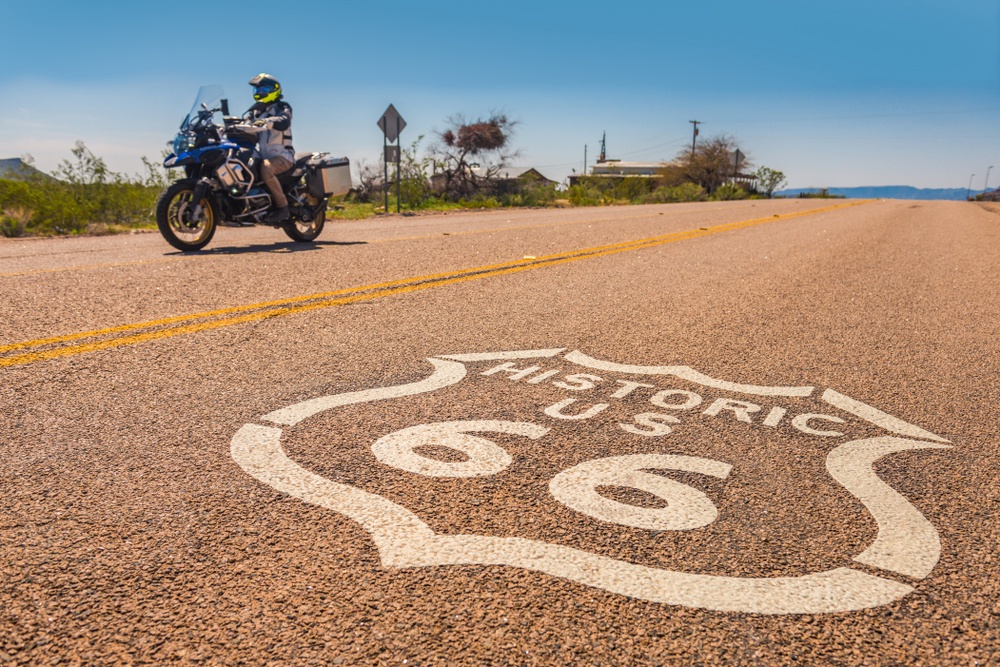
[(328, 176)]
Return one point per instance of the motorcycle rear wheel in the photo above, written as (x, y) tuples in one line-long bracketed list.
[(304, 232), (174, 217)]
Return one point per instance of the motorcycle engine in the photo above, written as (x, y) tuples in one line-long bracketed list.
[(234, 177)]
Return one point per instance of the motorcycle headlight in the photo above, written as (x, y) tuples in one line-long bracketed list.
[(184, 142)]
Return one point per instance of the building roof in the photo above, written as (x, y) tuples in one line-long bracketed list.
[(513, 172), (618, 167)]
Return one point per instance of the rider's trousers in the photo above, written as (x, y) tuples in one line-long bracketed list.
[(269, 171)]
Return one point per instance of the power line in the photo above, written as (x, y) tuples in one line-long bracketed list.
[(651, 148), (902, 114)]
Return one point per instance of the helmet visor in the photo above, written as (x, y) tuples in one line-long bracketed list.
[(262, 91)]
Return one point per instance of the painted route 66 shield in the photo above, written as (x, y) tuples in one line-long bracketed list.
[(654, 482)]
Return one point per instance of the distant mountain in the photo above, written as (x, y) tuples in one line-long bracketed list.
[(888, 192), (16, 169)]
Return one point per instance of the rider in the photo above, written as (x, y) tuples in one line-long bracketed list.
[(273, 114)]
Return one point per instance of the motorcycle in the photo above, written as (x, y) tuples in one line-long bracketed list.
[(222, 181)]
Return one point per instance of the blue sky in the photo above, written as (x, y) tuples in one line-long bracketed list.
[(834, 94)]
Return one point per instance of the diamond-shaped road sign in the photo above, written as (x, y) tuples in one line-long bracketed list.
[(391, 123)]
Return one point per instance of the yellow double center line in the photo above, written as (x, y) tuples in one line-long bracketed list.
[(130, 334)]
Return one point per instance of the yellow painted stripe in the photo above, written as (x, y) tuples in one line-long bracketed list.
[(185, 324), (392, 239)]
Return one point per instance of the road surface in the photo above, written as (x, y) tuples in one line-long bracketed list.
[(735, 433)]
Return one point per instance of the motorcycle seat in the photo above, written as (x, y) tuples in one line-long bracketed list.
[(287, 178)]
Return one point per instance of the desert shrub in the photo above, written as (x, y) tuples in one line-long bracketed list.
[(685, 192), (86, 192), (729, 191), (582, 195), (480, 201), (631, 189), (524, 192), (14, 222)]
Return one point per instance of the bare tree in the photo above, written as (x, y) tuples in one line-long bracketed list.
[(370, 182), (712, 162), (414, 183), (462, 144)]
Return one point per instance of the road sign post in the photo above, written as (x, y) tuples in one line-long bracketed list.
[(391, 124)]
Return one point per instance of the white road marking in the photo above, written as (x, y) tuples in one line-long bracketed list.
[(741, 409), (556, 410), (515, 374), (654, 423), (446, 373), (687, 507), (692, 401), (686, 373), (577, 382), (491, 356), (542, 377), (775, 416), (403, 540), (906, 543), (257, 449), (485, 456), (877, 417)]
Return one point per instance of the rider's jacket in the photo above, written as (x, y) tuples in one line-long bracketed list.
[(276, 139)]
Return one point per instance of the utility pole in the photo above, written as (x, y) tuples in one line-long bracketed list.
[(694, 137), (604, 154), (986, 185), (585, 159), (968, 191)]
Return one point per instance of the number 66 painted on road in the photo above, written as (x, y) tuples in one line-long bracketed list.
[(577, 487), (906, 542)]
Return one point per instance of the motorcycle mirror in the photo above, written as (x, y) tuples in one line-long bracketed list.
[(225, 107)]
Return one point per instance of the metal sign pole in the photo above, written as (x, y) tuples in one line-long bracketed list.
[(390, 134), (399, 154), (385, 176)]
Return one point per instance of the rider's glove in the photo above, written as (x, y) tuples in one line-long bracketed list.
[(260, 122)]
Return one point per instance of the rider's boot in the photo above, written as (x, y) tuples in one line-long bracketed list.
[(277, 215)]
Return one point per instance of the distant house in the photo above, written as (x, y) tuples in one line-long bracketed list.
[(516, 174), (617, 169), (506, 179)]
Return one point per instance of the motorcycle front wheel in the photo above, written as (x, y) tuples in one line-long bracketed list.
[(178, 223), (297, 230)]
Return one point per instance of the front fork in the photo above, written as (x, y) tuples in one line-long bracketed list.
[(200, 188)]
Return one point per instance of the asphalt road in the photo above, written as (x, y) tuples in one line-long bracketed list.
[(739, 433)]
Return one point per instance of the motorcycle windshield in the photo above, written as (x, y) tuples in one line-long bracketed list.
[(208, 99)]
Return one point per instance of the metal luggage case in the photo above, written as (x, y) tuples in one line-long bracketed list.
[(328, 176)]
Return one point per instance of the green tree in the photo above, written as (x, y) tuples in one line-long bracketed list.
[(769, 180), (86, 169)]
